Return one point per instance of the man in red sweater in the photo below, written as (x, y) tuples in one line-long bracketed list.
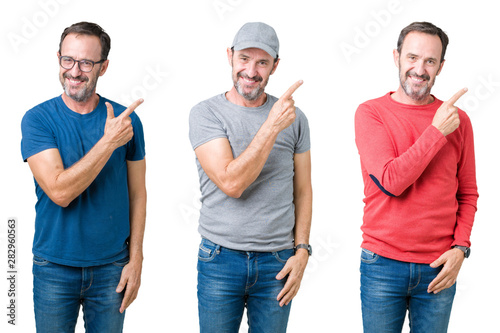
[(418, 166)]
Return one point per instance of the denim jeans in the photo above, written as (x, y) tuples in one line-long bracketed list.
[(229, 280), (390, 287), (59, 290)]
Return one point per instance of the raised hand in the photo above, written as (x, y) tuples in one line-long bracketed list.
[(282, 114), (118, 130), (446, 119)]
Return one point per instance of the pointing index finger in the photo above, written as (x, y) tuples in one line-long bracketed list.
[(455, 97), (131, 108), (292, 89)]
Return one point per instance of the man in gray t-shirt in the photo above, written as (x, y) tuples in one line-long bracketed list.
[(252, 153)]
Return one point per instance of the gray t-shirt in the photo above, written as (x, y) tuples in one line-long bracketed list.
[(263, 218)]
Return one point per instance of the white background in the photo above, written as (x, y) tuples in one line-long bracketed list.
[(173, 53)]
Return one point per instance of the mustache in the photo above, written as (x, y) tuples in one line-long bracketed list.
[(424, 76), (80, 77), (257, 78)]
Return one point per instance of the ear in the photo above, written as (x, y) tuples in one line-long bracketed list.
[(395, 54), (440, 67), (275, 66), (230, 56), (104, 67)]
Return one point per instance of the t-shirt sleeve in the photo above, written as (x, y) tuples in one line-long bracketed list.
[(303, 135), (136, 150), (37, 135), (204, 126)]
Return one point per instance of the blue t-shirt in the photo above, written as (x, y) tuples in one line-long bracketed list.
[(94, 228)]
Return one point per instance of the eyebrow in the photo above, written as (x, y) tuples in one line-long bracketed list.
[(416, 55), (84, 59), (243, 55)]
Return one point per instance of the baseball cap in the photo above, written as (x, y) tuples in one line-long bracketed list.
[(258, 35)]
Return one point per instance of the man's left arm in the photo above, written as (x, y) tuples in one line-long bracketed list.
[(467, 205), (131, 275), (302, 192)]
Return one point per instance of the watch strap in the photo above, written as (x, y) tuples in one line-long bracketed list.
[(465, 249), (303, 246)]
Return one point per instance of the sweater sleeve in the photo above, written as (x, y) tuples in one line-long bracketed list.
[(392, 173), (467, 194)]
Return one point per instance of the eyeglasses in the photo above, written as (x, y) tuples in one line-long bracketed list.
[(84, 65)]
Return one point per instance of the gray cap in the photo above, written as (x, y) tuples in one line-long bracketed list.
[(258, 35)]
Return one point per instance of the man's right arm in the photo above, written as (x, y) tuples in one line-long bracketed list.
[(64, 185), (394, 173), (234, 175)]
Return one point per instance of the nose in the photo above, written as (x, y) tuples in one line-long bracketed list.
[(251, 69), (419, 68), (75, 71)]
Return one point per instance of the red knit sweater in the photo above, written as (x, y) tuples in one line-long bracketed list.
[(420, 186)]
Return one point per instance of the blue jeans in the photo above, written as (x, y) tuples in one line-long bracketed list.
[(390, 287), (229, 280), (59, 290)]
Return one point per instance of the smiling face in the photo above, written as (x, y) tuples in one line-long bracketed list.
[(419, 64), (251, 70), (78, 85)]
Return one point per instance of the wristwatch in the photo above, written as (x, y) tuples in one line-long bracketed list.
[(465, 249), (304, 246)]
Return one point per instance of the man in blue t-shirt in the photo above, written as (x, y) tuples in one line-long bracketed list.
[(88, 159)]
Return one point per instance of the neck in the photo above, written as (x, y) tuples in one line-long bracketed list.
[(234, 97), (81, 107)]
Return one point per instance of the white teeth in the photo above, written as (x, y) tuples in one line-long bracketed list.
[(247, 80)]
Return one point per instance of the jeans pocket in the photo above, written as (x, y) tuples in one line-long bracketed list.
[(283, 255), (39, 261), (368, 257), (207, 250), (122, 262)]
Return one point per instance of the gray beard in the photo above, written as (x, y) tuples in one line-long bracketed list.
[(418, 95), (251, 96), (82, 95)]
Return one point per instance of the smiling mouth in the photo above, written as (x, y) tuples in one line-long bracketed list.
[(418, 78), (248, 80), (75, 81)]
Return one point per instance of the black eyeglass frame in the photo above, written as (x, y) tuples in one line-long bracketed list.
[(79, 62)]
